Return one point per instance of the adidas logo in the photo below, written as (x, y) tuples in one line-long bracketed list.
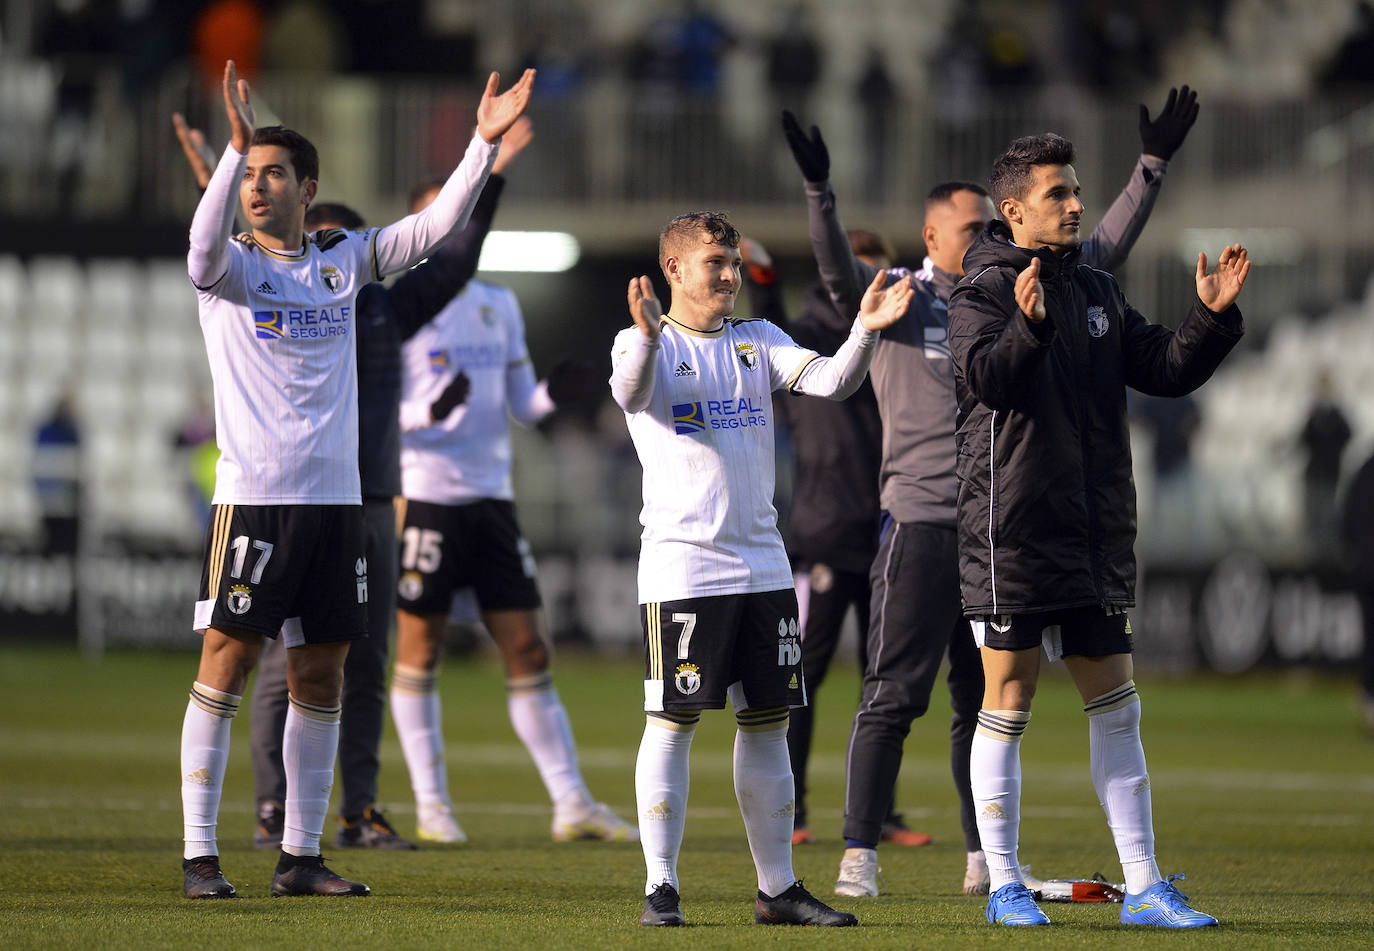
[(662, 812), (1141, 787), (684, 369), (788, 810), (994, 811), (266, 288), (792, 684), (200, 777)]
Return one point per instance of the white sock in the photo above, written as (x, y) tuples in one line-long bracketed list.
[(309, 744), (204, 755), (419, 724), (767, 797), (1122, 781), (540, 721), (662, 779), (995, 774)]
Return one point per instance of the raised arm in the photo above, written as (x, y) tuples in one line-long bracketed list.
[(405, 242), (634, 351), (208, 259), (839, 376), (198, 153), (1117, 232), (845, 276)]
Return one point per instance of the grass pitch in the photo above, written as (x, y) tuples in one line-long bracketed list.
[(1263, 794)]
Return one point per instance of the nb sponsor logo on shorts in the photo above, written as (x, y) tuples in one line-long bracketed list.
[(789, 642)]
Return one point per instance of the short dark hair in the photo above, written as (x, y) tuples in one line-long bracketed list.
[(304, 159), (1011, 173), (334, 213), (947, 190), (869, 244), (676, 234), (423, 189)]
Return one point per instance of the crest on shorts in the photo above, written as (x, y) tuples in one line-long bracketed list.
[(1097, 320), (1001, 623), (687, 679), (748, 355), (331, 277), (411, 586), (240, 599)]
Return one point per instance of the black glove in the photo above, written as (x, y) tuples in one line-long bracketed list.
[(813, 158), (454, 395), (1162, 137), (572, 381)]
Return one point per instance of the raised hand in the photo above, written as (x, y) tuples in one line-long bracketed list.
[(199, 155), (882, 307), (242, 122), (1030, 294), (1219, 289), (519, 135), (454, 395), (1162, 137), (644, 306), (813, 158), (496, 114)]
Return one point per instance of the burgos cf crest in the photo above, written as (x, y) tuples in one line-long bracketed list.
[(1097, 320), (240, 599), (687, 679), (748, 355), (331, 277)]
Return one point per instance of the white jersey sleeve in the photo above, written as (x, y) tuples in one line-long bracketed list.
[(406, 242), (527, 398), (467, 456)]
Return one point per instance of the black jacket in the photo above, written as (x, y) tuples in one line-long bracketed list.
[(1046, 498)]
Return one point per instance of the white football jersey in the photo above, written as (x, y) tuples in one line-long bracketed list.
[(279, 332), (705, 442), (466, 456)]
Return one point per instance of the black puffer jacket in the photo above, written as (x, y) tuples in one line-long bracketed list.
[(1046, 498)]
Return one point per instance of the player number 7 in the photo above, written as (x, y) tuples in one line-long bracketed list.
[(684, 640)]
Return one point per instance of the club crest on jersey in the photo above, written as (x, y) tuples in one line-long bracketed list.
[(748, 355), (687, 679), (488, 315), (688, 418), (240, 599), (1097, 320), (267, 324), (438, 360), (331, 277)]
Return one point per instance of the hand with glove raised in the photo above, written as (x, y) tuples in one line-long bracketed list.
[(813, 158), (1162, 137)]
